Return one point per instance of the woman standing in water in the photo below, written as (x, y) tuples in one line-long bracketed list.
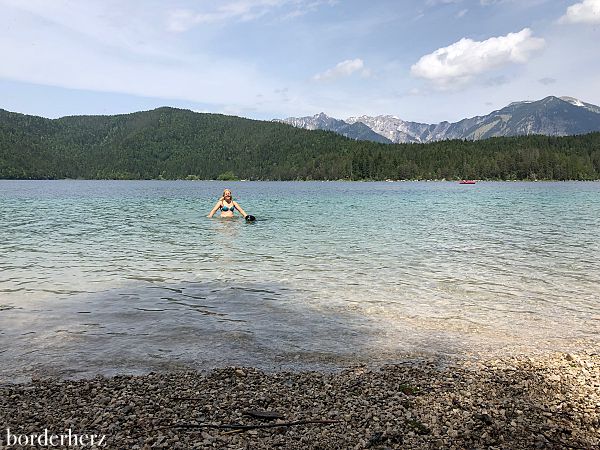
[(227, 206)]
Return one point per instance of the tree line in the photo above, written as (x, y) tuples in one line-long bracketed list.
[(168, 143)]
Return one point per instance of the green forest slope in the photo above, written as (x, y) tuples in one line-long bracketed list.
[(172, 143)]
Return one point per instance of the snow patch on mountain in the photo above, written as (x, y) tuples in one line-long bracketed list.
[(549, 116), (577, 102), (572, 101)]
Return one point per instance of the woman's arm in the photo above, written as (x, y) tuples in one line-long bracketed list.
[(215, 209), (240, 209)]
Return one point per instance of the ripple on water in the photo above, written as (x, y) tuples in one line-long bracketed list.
[(436, 269)]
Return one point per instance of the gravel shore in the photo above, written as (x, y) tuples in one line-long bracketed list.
[(550, 401)]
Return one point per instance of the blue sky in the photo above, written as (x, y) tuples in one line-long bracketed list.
[(425, 61)]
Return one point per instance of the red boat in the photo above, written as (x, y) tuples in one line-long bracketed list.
[(467, 182)]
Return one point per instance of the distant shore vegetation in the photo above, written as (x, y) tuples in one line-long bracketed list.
[(169, 143)]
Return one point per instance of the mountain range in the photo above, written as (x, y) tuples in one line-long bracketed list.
[(170, 143), (552, 116)]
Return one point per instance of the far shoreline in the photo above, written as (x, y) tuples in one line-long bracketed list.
[(306, 181)]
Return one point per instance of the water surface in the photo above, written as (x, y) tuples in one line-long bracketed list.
[(130, 276)]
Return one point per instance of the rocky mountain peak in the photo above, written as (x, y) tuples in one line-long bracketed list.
[(545, 116)]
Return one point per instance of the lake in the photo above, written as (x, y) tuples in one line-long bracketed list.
[(105, 277)]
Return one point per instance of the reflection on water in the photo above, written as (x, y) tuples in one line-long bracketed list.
[(105, 277)]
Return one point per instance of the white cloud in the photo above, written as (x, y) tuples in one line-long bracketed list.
[(461, 13), (183, 19), (124, 47), (588, 11), (89, 48), (496, 2), (344, 69), (437, 2), (180, 20), (113, 23), (460, 62)]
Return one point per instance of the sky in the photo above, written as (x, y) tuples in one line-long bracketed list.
[(424, 61)]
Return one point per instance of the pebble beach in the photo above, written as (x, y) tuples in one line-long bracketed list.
[(524, 402)]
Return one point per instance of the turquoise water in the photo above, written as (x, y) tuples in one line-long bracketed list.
[(130, 276)]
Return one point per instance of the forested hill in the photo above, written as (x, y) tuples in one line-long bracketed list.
[(172, 143)]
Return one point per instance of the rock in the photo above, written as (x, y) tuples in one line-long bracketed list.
[(508, 403)]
